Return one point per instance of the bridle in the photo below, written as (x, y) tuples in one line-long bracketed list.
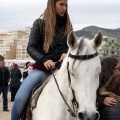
[(83, 57), (75, 104)]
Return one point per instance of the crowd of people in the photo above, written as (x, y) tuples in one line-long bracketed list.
[(11, 79)]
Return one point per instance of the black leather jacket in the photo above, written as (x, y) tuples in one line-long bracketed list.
[(36, 41)]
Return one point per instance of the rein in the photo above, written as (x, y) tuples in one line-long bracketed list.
[(74, 102), (69, 109)]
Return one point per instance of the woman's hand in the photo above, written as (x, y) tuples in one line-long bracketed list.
[(109, 101), (49, 64), (62, 57)]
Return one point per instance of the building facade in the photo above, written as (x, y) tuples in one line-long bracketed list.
[(13, 45), (109, 47)]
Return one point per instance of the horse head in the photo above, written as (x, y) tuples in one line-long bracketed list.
[(84, 69), (76, 81)]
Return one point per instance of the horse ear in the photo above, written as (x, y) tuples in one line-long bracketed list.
[(97, 41), (72, 39)]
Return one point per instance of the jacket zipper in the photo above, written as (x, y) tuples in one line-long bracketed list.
[(55, 53)]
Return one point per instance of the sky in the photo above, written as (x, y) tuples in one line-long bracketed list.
[(18, 14)]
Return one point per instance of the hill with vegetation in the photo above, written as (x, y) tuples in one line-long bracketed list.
[(90, 31)]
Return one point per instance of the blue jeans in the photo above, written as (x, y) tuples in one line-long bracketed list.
[(4, 91), (24, 92)]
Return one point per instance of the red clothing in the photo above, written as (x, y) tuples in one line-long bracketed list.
[(38, 67)]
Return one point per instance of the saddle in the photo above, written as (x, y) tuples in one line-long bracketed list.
[(34, 98), (27, 115)]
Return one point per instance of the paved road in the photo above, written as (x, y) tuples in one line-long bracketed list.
[(5, 115)]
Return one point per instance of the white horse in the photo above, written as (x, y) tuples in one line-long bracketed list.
[(71, 94)]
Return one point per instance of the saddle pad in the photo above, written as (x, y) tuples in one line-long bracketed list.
[(38, 90), (37, 93)]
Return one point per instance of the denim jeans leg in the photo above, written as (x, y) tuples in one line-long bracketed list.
[(24, 92), (5, 98)]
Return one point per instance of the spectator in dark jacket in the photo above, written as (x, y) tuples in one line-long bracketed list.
[(112, 89), (25, 73), (4, 79), (110, 66), (15, 80)]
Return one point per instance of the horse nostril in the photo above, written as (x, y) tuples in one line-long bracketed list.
[(97, 116), (81, 115), (84, 116)]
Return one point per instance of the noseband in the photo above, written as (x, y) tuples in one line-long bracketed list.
[(83, 57)]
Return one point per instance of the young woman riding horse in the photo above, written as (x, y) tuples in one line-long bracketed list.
[(47, 45)]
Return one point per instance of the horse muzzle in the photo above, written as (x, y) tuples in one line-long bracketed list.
[(85, 116)]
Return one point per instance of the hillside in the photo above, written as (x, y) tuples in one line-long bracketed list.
[(92, 30)]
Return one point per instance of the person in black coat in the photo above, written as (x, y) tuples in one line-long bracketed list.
[(110, 66), (112, 89), (4, 80), (15, 80)]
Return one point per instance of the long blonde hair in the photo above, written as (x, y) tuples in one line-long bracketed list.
[(49, 16)]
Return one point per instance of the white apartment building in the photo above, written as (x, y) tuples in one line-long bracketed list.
[(109, 47), (13, 45), (21, 53)]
